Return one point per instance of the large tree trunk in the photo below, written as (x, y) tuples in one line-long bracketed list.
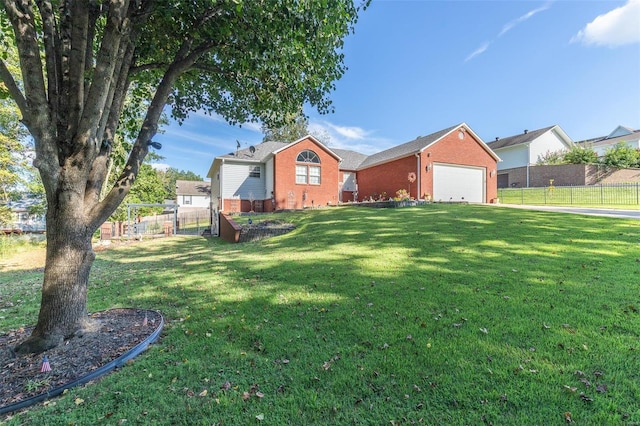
[(69, 259)]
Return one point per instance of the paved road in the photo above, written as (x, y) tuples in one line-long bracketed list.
[(622, 214)]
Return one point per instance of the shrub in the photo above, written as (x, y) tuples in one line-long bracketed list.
[(401, 195), (580, 155), (622, 155), (551, 158)]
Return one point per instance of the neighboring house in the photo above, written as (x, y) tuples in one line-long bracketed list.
[(620, 135), (524, 150), (451, 165), (192, 195), (24, 220)]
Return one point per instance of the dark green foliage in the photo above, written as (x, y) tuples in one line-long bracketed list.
[(295, 127), (580, 155), (171, 175), (575, 155), (622, 155), (147, 189)]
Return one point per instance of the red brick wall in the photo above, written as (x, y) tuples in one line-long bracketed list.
[(234, 205), (290, 195), (568, 175), (387, 178), (463, 152), (229, 229), (392, 176)]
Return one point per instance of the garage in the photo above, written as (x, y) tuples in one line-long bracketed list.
[(458, 183)]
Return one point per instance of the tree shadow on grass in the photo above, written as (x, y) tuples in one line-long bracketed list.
[(377, 314)]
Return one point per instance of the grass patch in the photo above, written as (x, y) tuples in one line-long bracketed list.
[(620, 196), (453, 314)]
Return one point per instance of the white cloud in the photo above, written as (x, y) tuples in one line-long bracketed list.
[(508, 27), (212, 117), (478, 51), (356, 133), (617, 27), (523, 18), (254, 127), (160, 166), (349, 137)]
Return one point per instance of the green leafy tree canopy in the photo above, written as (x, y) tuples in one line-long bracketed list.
[(79, 60)]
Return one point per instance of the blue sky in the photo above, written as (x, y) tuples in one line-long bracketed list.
[(416, 67)]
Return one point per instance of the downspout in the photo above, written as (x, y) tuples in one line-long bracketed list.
[(418, 174), (528, 162), (221, 186)]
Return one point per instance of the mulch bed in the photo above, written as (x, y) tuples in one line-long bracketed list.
[(120, 331)]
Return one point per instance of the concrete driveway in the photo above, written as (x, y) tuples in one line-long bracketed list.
[(622, 214)]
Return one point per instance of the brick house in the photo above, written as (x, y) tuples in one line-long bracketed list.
[(453, 164), (275, 176)]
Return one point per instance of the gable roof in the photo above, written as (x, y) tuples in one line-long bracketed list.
[(351, 160), (418, 145), (608, 141), (192, 187), (400, 151), (314, 140), (620, 131), (522, 138), (260, 154)]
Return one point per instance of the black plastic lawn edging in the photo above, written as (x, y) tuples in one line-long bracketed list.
[(116, 363)]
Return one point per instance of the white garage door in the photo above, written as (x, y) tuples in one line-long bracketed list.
[(458, 183)]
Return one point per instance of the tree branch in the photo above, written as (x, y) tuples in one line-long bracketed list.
[(35, 110), (116, 28), (13, 88), (78, 42), (52, 58), (109, 124), (101, 212)]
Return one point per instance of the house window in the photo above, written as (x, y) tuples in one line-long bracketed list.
[(314, 175), (186, 199), (307, 173), (307, 156), (301, 174), (254, 171)]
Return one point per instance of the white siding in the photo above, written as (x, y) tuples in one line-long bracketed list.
[(349, 181), (238, 184), (511, 157), (269, 178), (524, 154), (215, 187), (546, 142)]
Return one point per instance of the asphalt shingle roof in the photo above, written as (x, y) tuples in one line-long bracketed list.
[(405, 149), (351, 160), (261, 153), (192, 187), (518, 139)]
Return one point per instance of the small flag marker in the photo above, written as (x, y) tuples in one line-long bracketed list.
[(45, 365)]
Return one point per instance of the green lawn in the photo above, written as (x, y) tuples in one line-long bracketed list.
[(621, 196), (440, 314)]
